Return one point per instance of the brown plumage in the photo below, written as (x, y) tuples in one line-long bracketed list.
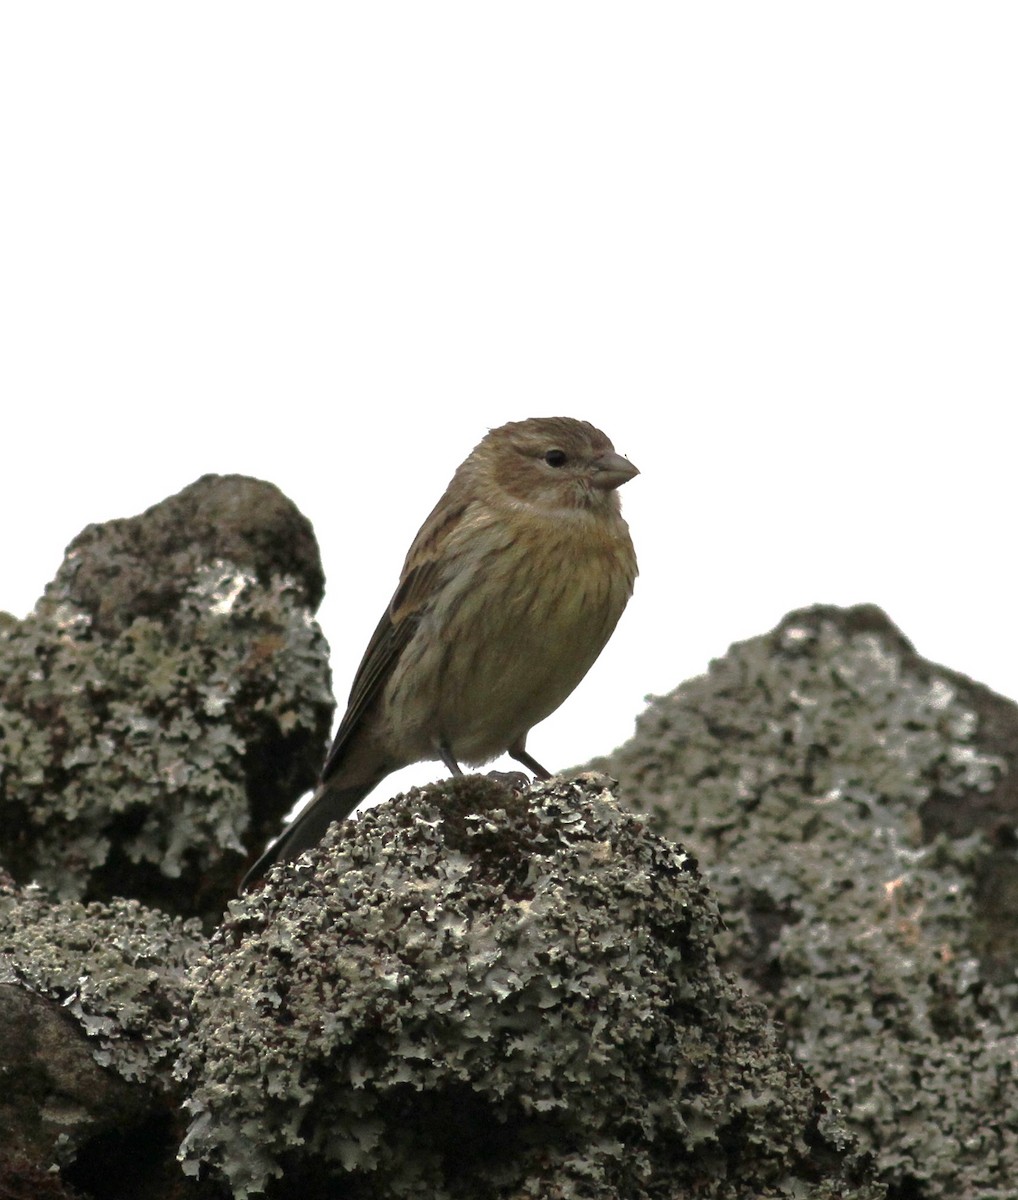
[(508, 594)]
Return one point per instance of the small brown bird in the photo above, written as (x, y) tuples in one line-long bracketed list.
[(509, 593)]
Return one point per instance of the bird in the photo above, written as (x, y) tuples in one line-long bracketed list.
[(509, 592)]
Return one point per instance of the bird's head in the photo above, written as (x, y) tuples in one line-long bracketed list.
[(554, 464)]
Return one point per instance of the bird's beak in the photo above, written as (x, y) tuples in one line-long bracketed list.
[(612, 471)]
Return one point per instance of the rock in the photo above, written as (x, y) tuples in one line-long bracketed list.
[(142, 566), (471, 992), (167, 701), (55, 1097), (93, 1002), (854, 809)]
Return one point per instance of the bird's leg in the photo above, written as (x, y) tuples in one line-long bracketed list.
[(445, 754), (517, 751)]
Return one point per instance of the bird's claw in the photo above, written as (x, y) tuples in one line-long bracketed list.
[(515, 781)]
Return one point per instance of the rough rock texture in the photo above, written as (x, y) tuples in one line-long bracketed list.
[(476, 993), (854, 810), (119, 970), (142, 566), (166, 702), (55, 1097), (93, 1002), (22, 1180)]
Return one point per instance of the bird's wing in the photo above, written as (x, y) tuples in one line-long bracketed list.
[(422, 576)]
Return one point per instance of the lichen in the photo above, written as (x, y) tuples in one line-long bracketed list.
[(131, 751), (471, 992), (120, 970), (797, 770)]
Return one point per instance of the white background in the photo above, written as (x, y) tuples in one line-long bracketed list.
[(771, 249)]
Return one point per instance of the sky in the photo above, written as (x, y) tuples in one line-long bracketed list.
[(770, 249)]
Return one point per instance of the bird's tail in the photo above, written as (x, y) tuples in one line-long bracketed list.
[(328, 804)]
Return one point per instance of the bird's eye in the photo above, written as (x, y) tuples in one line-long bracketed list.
[(555, 458)]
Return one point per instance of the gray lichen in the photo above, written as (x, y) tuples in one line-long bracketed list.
[(471, 992), (119, 970), (167, 701), (800, 770), (129, 753)]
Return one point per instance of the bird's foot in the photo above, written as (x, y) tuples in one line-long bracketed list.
[(515, 781)]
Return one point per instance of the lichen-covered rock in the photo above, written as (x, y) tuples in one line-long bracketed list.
[(854, 811), (119, 970), (142, 566), (164, 705), (93, 1000), (54, 1097), (468, 993)]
